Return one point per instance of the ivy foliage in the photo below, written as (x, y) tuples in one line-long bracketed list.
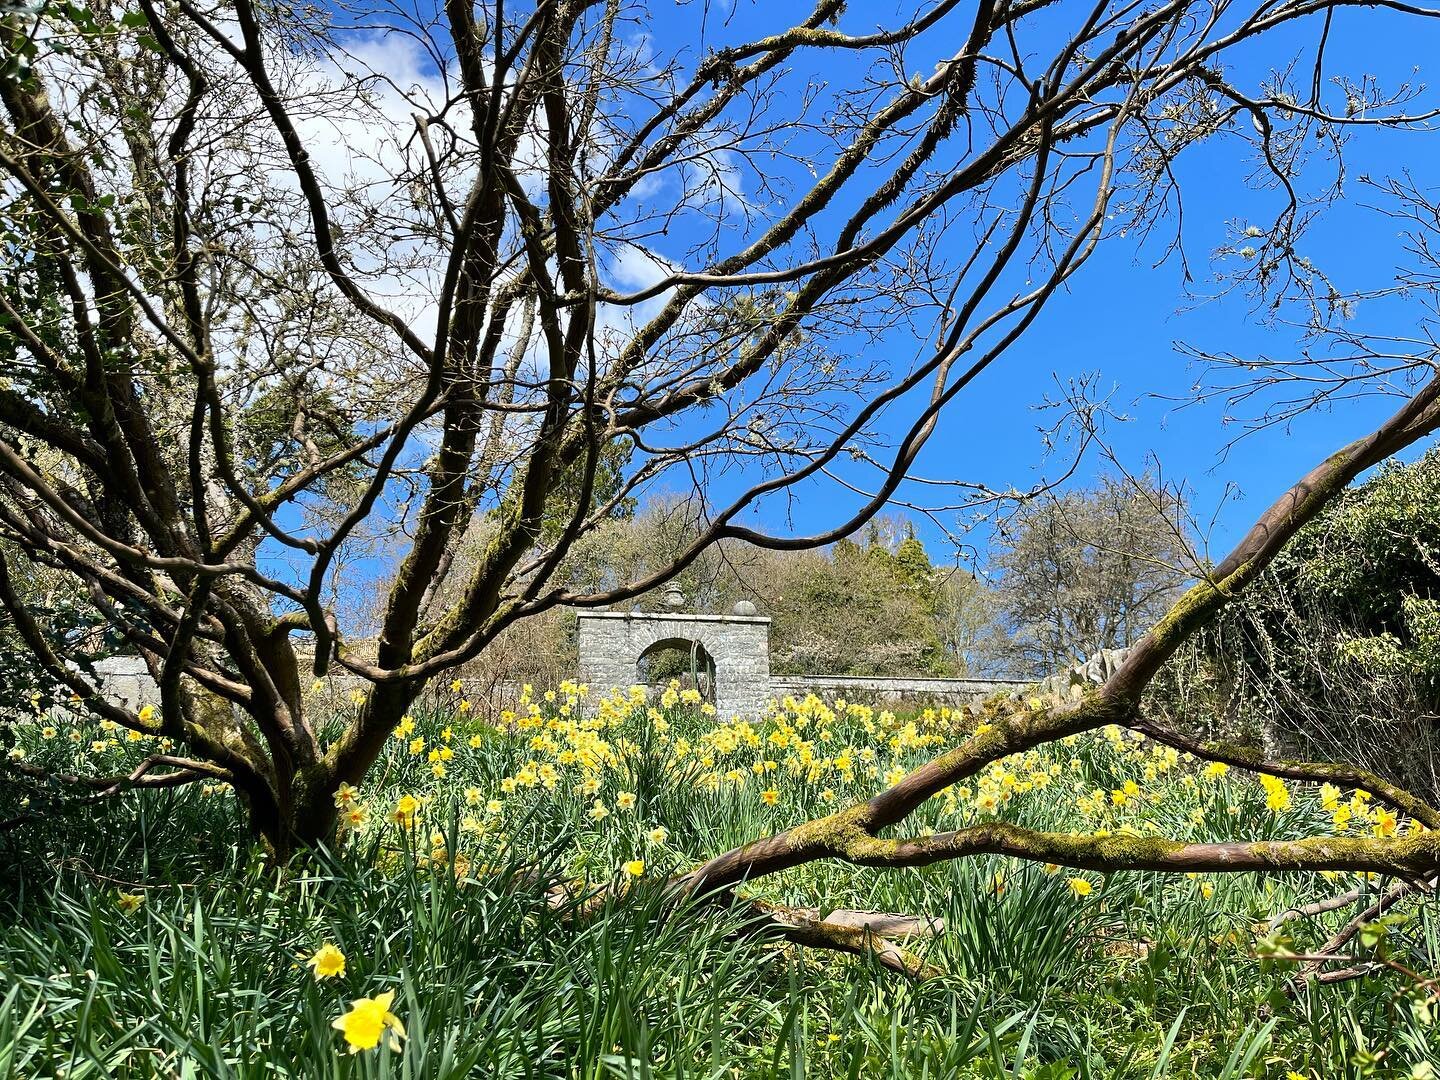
[(1367, 570), (1336, 648)]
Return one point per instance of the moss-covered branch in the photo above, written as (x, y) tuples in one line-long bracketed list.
[(1314, 772), (1408, 856), (860, 933), (853, 834)]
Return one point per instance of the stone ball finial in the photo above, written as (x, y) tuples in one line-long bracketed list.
[(674, 600), (744, 607)]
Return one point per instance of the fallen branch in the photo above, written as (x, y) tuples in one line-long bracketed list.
[(1360, 968), (1319, 907), (859, 933), (1314, 772), (880, 923), (1342, 937)]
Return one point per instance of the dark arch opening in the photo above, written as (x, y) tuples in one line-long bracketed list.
[(680, 659)]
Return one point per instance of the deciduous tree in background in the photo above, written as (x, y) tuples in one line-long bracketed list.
[(551, 265), (1087, 570), (875, 607)]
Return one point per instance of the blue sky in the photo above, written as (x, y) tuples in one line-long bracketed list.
[(1122, 316)]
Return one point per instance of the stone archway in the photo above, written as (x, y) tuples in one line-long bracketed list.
[(681, 659), (611, 644)]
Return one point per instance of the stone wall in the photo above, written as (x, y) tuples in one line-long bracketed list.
[(610, 642), (126, 681), (886, 689)]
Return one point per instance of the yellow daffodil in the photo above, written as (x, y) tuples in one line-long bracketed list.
[(1385, 822), (368, 1020), (327, 962), (353, 816), (405, 809), (1277, 795)]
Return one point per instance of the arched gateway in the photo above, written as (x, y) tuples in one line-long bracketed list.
[(612, 643)]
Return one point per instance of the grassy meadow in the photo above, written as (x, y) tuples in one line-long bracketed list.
[(148, 938)]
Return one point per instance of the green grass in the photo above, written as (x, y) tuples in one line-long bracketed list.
[(1144, 977)]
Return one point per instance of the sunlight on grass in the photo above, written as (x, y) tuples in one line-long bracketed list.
[(440, 936)]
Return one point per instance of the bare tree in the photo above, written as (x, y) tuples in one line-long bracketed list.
[(1088, 570), (532, 265)]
